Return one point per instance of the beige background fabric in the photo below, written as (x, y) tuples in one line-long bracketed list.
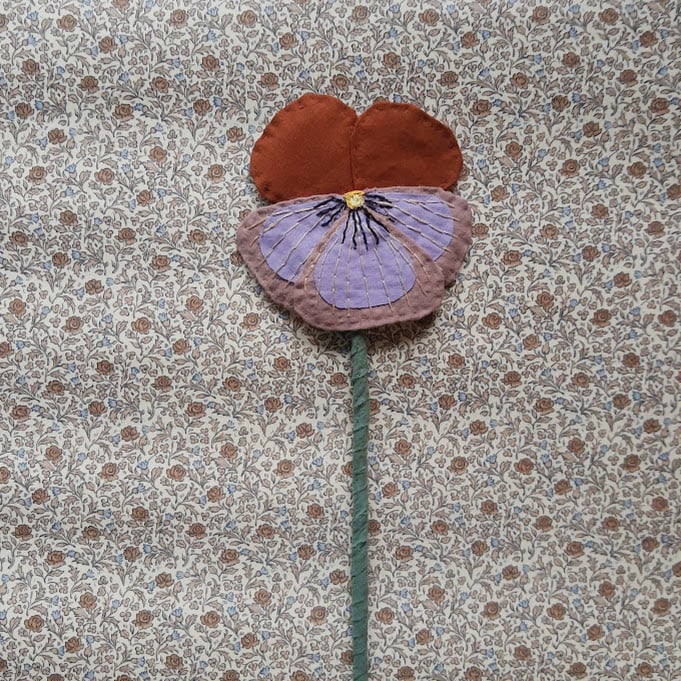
[(174, 488)]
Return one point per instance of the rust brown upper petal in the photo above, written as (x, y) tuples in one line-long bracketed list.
[(399, 144), (305, 150)]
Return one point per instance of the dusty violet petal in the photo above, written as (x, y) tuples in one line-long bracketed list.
[(386, 264), (419, 301), (438, 221), (289, 234), (354, 273), (262, 222)]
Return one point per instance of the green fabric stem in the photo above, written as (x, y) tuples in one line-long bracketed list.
[(360, 507)]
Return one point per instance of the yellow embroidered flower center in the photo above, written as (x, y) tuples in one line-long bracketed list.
[(354, 199)]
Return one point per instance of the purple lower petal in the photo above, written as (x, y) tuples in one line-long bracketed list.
[(290, 234), (363, 275), (423, 218)]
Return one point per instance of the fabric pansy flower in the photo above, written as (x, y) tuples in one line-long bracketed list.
[(362, 231)]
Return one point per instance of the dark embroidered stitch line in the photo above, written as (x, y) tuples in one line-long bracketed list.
[(359, 220)]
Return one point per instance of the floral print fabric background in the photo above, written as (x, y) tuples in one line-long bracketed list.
[(174, 471)]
